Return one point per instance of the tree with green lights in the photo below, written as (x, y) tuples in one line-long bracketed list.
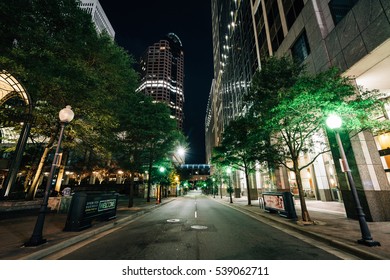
[(296, 122), (53, 48), (146, 136), (239, 148)]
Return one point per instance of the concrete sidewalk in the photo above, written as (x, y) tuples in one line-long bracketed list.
[(16, 230), (331, 226)]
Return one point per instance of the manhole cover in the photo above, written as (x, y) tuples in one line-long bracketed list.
[(198, 227), (173, 220)]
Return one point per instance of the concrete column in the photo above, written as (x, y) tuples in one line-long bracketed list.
[(92, 179), (322, 179), (375, 187)]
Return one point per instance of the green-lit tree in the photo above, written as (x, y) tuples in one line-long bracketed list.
[(53, 48), (240, 147), (270, 84), (146, 135), (216, 173), (211, 183), (297, 123), (222, 169), (269, 87)]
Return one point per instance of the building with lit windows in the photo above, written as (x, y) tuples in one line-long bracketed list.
[(99, 18), (210, 122), (162, 74), (352, 35)]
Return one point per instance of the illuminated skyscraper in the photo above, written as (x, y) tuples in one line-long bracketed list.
[(99, 18), (352, 35), (162, 72)]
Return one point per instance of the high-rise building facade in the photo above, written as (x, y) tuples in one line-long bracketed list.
[(99, 17), (235, 62), (353, 35), (162, 74)]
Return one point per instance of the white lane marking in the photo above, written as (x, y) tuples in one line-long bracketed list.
[(196, 209), (198, 227)]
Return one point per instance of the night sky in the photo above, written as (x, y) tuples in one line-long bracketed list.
[(139, 24)]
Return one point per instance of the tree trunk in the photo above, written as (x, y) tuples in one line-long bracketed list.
[(271, 171), (247, 184), (230, 189), (131, 192), (34, 185), (61, 171), (30, 174), (33, 188), (305, 212), (149, 180)]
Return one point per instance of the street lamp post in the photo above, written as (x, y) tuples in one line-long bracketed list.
[(66, 115), (213, 187), (177, 182), (334, 122), (229, 172), (159, 190), (220, 188)]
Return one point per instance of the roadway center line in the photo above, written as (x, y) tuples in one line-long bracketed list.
[(196, 209)]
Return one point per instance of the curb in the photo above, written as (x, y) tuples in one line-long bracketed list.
[(71, 241), (84, 236), (319, 237), (117, 223)]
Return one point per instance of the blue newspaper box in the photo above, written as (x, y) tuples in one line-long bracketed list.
[(281, 203)]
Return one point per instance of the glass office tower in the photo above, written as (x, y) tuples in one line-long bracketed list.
[(162, 72), (352, 35)]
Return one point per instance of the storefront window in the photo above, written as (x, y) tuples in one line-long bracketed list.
[(332, 177), (383, 143)]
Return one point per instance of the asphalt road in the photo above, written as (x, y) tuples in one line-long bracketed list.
[(195, 227)]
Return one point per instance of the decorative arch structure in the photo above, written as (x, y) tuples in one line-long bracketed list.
[(10, 87)]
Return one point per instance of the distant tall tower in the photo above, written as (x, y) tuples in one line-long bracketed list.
[(162, 73), (99, 18)]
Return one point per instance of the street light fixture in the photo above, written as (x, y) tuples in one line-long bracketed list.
[(334, 122), (159, 190), (181, 151), (179, 155), (66, 115)]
